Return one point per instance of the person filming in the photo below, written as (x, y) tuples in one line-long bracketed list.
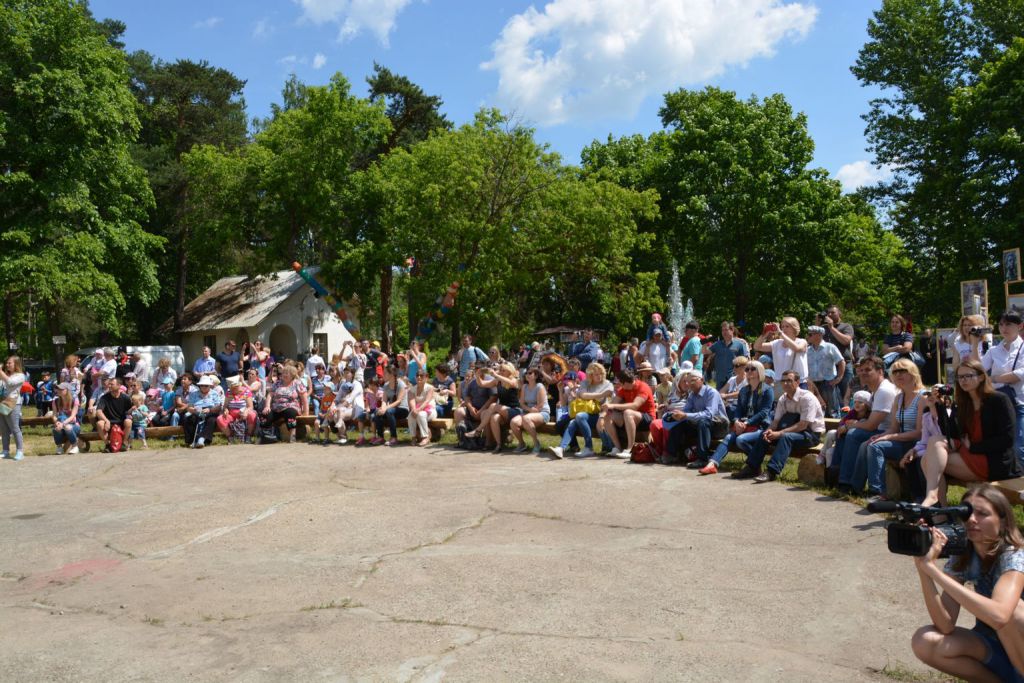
[(994, 563)]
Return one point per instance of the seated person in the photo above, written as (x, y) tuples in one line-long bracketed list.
[(702, 419), (730, 389), (799, 422), (994, 565), (978, 435), (475, 398), (664, 387), (860, 411), (505, 381), (899, 343), (239, 415), (200, 416), (444, 391), (113, 408), (533, 401), (634, 411), (593, 393), (752, 415), (670, 413), (847, 452)]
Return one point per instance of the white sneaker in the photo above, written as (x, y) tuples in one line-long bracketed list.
[(613, 453), (557, 451), (622, 455), (60, 450), (200, 442), (342, 440), (73, 450), (587, 453)]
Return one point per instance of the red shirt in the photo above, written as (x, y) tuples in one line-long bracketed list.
[(640, 388)]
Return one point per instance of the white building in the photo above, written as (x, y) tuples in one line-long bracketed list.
[(280, 310)]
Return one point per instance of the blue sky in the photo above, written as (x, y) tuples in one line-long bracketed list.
[(577, 70)]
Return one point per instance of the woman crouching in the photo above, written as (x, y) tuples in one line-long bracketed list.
[(994, 563)]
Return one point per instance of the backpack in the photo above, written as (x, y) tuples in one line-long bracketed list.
[(116, 443), (267, 432), (642, 453), (470, 443)]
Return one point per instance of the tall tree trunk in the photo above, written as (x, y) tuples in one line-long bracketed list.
[(456, 340), (8, 322), (387, 278), (179, 301), (414, 272), (739, 283)]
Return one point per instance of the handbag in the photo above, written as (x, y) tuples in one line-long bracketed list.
[(584, 405), (8, 402)]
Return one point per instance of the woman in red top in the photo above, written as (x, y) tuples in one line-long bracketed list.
[(977, 441)]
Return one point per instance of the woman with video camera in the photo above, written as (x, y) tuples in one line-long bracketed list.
[(977, 437), (994, 563)]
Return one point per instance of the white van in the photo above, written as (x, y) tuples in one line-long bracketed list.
[(151, 354)]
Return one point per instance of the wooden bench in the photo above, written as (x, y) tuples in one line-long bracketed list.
[(438, 426)]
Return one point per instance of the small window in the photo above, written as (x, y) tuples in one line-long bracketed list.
[(211, 341), (320, 342)]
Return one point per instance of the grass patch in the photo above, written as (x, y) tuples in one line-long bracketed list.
[(153, 621), (344, 603), (898, 672)]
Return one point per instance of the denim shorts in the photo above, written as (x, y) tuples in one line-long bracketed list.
[(996, 660)]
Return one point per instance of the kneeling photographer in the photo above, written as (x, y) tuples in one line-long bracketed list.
[(992, 559), (977, 436)]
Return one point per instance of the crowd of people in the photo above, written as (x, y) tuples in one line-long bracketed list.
[(690, 401)]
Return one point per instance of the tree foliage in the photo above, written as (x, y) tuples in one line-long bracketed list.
[(948, 123), (531, 242), (756, 232), (72, 199)]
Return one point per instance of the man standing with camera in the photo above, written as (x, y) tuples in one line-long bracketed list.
[(1005, 365), (841, 334), (854, 436)]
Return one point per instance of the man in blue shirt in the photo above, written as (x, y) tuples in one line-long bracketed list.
[(587, 350), (468, 355), (724, 351), (205, 365), (691, 347), (702, 419), (826, 368), (229, 360)]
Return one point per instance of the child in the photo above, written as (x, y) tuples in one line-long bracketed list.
[(140, 418), (349, 404), (664, 387), (373, 397), (44, 394), (860, 411), (444, 391), (323, 409)]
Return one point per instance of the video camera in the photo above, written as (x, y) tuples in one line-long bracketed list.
[(907, 537)]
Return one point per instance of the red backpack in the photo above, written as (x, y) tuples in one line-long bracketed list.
[(642, 453), (116, 438)]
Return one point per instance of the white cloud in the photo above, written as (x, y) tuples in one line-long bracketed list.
[(860, 174), (589, 59), (353, 16), (208, 23), (319, 59), (262, 29), (292, 60)]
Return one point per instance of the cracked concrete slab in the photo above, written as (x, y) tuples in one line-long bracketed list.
[(298, 562)]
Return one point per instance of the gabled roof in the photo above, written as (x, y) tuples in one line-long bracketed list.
[(239, 301)]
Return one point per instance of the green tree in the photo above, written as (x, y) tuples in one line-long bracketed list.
[(183, 104), (756, 232), (489, 207), (948, 123), (72, 200)]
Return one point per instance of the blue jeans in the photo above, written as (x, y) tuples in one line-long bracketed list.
[(390, 419), (1020, 433), (732, 439), (783, 447), (584, 423), (69, 433), (703, 428), (873, 466), (846, 455), (831, 395)]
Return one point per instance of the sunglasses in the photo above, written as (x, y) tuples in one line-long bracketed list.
[(900, 371), (972, 375), (750, 369)]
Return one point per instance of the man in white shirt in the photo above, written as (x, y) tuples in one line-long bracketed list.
[(799, 423), (314, 360), (1005, 364), (656, 351), (871, 371)]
